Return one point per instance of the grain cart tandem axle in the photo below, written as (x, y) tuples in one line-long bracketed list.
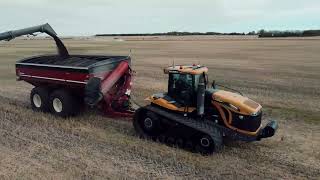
[(63, 82)]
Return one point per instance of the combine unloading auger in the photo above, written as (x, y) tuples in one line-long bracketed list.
[(45, 28)]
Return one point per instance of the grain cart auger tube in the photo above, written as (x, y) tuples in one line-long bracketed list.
[(194, 116), (65, 83)]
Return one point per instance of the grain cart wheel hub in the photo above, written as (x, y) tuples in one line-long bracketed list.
[(57, 105), (37, 100)]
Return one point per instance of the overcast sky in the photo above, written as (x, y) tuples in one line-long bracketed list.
[(88, 17)]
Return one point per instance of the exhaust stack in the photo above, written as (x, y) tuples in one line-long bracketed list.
[(201, 96)]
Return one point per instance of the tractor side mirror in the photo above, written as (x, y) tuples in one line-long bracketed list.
[(213, 85)]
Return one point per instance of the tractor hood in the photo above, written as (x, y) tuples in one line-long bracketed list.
[(236, 102)]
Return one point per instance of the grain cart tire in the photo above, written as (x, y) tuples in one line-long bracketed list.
[(63, 104), (39, 98)]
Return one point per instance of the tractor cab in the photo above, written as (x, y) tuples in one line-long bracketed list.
[(183, 83), (183, 88)]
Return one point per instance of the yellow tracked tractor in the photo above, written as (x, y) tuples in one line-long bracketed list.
[(194, 116)]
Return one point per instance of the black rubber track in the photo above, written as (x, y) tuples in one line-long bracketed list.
[(201, 126)]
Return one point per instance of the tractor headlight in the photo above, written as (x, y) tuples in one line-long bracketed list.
[(241, 117), (256, 113)]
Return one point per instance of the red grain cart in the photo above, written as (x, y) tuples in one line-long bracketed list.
[(62, 86), (64, 83)]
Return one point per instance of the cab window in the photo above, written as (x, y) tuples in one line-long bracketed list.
[(182, 81), (181, 86)]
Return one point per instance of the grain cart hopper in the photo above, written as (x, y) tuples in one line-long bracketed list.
[(63, 83), (195, 116)]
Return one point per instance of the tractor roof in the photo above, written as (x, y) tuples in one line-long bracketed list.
[(194, 69)]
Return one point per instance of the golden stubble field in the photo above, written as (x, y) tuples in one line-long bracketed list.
[(282, 74)]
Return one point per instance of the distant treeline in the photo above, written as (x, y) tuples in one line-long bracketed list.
[(307, 33), (176, 33), (262, 33)]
